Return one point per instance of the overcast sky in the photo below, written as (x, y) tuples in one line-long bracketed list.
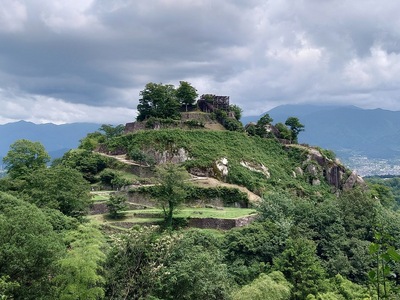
[(87, 60)]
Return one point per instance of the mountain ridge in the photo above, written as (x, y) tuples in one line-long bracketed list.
[(371, 132), (57, 139)]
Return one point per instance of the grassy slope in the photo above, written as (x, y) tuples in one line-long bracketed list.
[(205, 147)]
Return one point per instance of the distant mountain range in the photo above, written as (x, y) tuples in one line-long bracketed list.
[(347, 130), (367, 140), (57, 139)]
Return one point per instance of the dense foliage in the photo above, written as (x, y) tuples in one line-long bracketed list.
[(25, 157), (307, 243), (158, 100), (206, 147)]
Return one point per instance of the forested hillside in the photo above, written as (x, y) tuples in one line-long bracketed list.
[(308, 240), (121, 217)]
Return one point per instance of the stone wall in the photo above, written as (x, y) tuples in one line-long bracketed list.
[(134, 126), (224, 224)]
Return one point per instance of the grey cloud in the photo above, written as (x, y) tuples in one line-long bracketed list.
[(261, 53)]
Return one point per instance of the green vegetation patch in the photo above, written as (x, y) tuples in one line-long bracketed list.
[(229, 196), (206, 147)]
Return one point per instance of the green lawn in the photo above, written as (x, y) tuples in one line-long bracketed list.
[(225, 213), (100, 196), (155, 215)]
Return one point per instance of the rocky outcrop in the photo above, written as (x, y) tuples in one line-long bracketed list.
[(221, 167), (352, 181), (258, 168), (179, 155), (298, 172), (318, 167), (202, 172)]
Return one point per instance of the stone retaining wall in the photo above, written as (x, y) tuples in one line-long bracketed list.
[(224, 224)]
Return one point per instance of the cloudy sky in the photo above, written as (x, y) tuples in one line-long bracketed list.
[(87, 60)]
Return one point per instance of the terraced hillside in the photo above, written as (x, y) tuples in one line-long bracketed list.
[(258, 164)]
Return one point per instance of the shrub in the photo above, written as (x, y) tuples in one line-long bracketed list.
[(194, 124), (115, 205)]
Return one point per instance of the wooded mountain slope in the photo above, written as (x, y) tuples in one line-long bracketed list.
[(259, 164)]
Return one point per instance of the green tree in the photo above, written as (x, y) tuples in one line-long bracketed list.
[(115, 204), (359, 213), (194, 269), (28, 248), (60, 188), (236, 110), (7, 288), (86, 162), (273, 286), (111, 131), (173, 189), (158, 101), (383, 194), (24, 157), (229, 123), (79, 272), (295, 127), (301, 267), (113, 179), (284, 131), (340, 288), (135, 261), (250, 250), (91, 141), (251, 129), (186, 94), (262, 124)]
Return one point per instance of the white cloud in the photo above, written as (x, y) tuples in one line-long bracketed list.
[(379, 69), (40, 109), (13, 16)]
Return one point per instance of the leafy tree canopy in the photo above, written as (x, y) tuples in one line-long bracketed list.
[(115, 205), (91, 141), (60, 188), (172, 179), (86, 162), (158, 100), (301, 267), (194, 269), (236, 110), (25, 157), (186, 93), (79, 272), (28, 248), (273, 286), (111, 131), (284, 131), (260, 128), (295, 127)]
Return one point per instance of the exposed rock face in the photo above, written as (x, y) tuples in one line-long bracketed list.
[(298, 172), (259, 168), (178, 156), (312, 170), (134, 126), (334, 174), (318, 166), (352, 181), (202, 172), (222, 167), (316, 181)]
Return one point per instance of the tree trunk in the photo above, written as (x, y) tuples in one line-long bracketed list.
[(170, 214)]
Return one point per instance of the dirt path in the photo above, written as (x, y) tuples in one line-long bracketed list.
[(212, 182), (122, 158)]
